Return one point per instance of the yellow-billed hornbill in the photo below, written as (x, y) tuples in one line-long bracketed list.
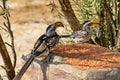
[(85, 34), (42, 46), (48, 40)]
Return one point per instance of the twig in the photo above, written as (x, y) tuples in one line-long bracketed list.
[(7, 61), (4, 67), (1, 78), (7, 25), (4, 29), (8, 44)]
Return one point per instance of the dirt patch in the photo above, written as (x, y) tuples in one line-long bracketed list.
[(88, 56)]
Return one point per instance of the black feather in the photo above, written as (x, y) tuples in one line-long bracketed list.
[(49, 27), (85, 22)]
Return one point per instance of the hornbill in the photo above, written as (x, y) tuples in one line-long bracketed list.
[(48, 40), (42, 46), (85, 34)]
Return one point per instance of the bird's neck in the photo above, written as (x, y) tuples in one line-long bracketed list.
[(88, 29), (50, 30)]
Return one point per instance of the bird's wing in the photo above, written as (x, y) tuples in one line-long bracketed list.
[(39, 42), (53, 40), (80, 34), (84, 33)]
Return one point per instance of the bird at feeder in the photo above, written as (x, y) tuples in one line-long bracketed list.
[(85, 34)]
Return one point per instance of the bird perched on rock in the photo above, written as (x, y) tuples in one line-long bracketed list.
[(42, 46), (85, 34), (48, 40)]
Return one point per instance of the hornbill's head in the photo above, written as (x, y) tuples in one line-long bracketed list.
[(94, 22), (50, 31), (91, 23), (85, 34), (58, 24)]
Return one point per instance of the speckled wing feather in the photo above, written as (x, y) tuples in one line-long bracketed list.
[(80, 34), (39, 41), (40, 48)]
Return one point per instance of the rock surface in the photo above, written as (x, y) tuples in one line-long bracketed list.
[(61, 69), (88, 56)]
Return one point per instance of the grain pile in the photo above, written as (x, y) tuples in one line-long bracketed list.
[(87, 56)]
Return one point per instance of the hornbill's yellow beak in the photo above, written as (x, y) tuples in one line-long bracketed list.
[(58, 24), (94, 22)]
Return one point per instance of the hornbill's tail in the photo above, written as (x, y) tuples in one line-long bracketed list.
[(24, 68)]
